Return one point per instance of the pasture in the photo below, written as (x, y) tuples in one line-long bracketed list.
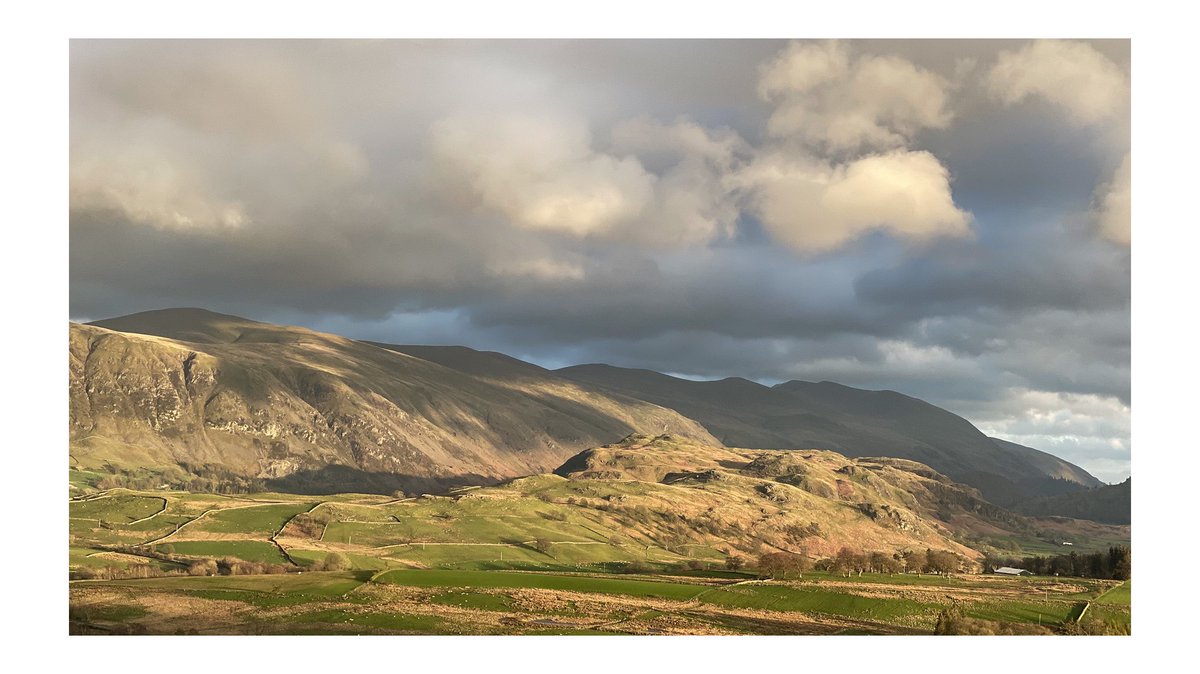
[(505, 564)]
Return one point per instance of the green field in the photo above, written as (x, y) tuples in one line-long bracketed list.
[(266, 519), (117, 509), (817, 601), (250, 551), (513, 579), (509, 564), (1119, 595)]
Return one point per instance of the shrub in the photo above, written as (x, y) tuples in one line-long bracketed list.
[(336, 561), (207, 567)]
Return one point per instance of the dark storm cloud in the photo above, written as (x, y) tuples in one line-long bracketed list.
[(646, 204), (1045, 268)]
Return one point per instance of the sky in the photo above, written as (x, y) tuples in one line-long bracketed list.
[(944, 218)]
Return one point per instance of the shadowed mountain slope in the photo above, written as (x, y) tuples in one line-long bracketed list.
[(1110, 503)]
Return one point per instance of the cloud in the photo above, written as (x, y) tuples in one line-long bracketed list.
[(1085, 429), (1074, 76), (828, 100), (863, 212), (695, 195), (1112, 213), (1094, 93), (540, 172), (546, 173), (816, 207), (150, 187), (839, 163)]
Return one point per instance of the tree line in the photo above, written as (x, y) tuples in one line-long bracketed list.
[(848, 562), (1113, 564)]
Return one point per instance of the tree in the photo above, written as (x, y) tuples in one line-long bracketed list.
[(848, 561), (336, 561), (941, 561), (782, 564), (914, 561), (542, 545), (733, 562)]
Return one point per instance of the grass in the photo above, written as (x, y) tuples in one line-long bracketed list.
[(480, 601), (265, 519), (1119, 595), (108, 613), (1031, 612), (313, 557), (116, 509), (1115, 618), (811, 600), (270, 591), (369, 622), (502, 579), (250, 551)]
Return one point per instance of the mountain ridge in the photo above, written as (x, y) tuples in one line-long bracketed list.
[(378, 408), (270, 402)]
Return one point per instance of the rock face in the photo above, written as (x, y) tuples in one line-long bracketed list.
[(321, 410)]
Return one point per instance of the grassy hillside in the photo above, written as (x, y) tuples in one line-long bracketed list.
[(654, 500)]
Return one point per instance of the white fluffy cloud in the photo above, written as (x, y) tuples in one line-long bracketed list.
[(1112, 211), (540, 172), (1072, 75), (816, 207), (838, 163), (829, 100), (545, 173)]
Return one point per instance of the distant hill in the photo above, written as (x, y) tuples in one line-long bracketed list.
[(851, 421), (1110, 504)]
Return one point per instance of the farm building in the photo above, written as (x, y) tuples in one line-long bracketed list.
[(1010, 571)]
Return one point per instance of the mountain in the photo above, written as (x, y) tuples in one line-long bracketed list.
[(233, 399), (1110, 504), (854, 422), (303, 410)]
